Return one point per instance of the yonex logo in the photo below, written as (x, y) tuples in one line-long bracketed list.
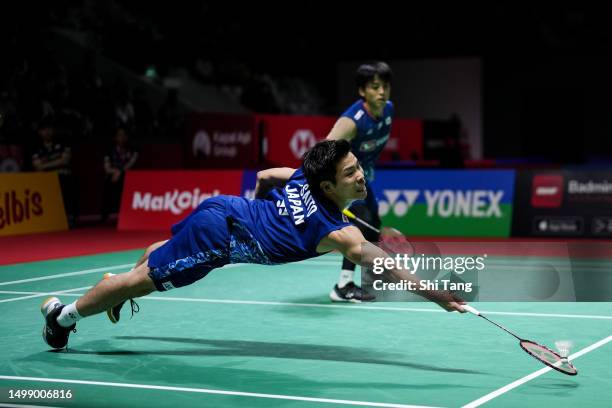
[(359, 114), (282, 210), (301, 142), (444, 203), (398, 200)]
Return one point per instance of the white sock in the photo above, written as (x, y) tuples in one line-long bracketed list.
[(69, 315), (346, 276)]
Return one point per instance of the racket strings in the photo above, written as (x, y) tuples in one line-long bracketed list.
[(548, 357)]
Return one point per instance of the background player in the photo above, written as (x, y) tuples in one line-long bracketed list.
[(366, 124)]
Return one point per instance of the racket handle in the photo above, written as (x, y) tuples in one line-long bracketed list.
[(352, 216), (348, 213), (471, 309)]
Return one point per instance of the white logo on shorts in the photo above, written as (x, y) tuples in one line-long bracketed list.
[(167, 285)]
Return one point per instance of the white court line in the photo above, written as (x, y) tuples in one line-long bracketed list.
[(39, 294), (218, 392), (335, 306), (360, 307), (130, 265), (62, 275), (531, 376), (603, 317)]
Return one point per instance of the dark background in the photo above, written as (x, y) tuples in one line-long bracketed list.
[(545, 69)]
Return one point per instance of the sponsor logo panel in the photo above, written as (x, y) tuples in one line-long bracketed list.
[(446, 203), (31, 202), (154, 200), (563, 203)]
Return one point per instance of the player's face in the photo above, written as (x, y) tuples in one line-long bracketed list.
[(350, 180), (376, 93)]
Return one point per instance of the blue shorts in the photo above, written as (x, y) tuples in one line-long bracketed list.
[(199, 244)]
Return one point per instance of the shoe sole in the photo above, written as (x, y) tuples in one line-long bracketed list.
[(43, 305), (43, 310), (109, 312), (335, 298)]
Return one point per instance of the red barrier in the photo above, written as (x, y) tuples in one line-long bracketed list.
[(286, 138), (215, 140), (405, 142), (154, 200)]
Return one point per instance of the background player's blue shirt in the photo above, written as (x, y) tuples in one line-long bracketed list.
[(287, 225), (372, 134)]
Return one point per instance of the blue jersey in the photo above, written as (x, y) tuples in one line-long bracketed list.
[(372, 134), (287, 225)]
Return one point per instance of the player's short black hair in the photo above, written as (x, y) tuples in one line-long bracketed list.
[(321, 160), (366, 72)]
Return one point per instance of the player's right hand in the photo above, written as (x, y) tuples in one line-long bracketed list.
[(450, 302)]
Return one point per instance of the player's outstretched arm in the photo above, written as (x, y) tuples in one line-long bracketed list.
[(344, 128), (351, 243), (271, 178)]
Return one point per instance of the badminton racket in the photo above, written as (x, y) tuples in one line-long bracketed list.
[(352, 216), (393, 239), (537, 351)]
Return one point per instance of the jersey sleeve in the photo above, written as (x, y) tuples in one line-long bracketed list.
[(354, 112)]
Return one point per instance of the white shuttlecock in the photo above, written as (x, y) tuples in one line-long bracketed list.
[(564, 347)]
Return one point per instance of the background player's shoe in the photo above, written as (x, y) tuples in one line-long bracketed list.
[(114, 313), (53, 334), (350, 293)]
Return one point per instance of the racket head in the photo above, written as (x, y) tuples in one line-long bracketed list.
[(548, 357)]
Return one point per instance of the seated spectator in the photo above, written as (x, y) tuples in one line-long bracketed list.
[(121, 157), (54, 156)]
